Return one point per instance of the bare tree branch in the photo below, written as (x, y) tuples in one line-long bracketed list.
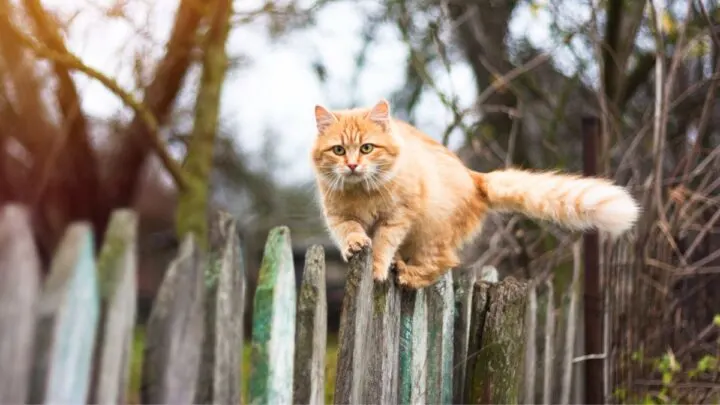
[(73, 62)]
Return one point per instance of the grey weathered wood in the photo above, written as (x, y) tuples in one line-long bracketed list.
[(463, 284), (497, 346), (19, 289), (175, 330), (572, 321), (220, 372), (531, 365), (413, 347), (381, 379), (549, 340), (354, 324), (117, 267), (311, 331), (273, 334), (479, 307), (67, 320), (440, 340)]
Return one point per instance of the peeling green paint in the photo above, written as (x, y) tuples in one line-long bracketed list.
[(273, 334)]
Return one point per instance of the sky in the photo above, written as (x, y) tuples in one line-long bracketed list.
[(277, 89)]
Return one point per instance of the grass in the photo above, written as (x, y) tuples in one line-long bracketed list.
[(137, 359)]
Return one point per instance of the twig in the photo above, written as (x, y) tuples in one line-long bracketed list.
[(505, 79), (599, 356), (658, 133), (514, 129)]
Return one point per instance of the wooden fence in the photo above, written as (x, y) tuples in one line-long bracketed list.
[(69, 337)]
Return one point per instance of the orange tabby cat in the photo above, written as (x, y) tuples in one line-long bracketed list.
[(385, 184)]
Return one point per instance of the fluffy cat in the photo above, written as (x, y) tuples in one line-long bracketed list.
[(386, 185)]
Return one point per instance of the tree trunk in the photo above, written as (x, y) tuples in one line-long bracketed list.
[(193, 204)]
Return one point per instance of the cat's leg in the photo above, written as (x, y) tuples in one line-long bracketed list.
[(388, 237), (349, 235), (425, 267), (398, 263)]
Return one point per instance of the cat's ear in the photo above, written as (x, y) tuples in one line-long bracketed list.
[(380, 113), (323, 118)]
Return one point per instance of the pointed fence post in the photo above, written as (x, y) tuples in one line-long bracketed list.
[(381, 380), (495, 365), (175, 330), (273, 334), (413, 347), (67, 320), (354, 324), (19, 290), (440, 340), (463, 310), (117, 267), (219, 378), (311, 331)]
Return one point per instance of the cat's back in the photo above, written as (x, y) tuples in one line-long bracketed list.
[(443, 173)]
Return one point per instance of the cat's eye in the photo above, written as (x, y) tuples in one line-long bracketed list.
[(338, 150), (366, 148)]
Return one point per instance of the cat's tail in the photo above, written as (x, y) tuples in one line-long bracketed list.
[(572, 201)]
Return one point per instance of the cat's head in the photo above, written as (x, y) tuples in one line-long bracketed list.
[(355, 147)]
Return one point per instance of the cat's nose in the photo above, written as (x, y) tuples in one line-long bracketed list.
[(352, 166)]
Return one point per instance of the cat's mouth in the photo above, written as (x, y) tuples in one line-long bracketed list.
[(354, 177)]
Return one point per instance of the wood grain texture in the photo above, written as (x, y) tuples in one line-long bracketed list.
[(354, 324), (383, 350), (19, 291), (220, 374), (413, 347), (67, 320), (175, 330), (499, 342), (478, 314), (549, 351), (117, 268), (440, 303), (463, 294), (311, 331), (530, 356), (273, 334)]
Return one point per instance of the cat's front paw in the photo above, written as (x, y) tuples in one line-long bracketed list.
[(412, 282), (354, 243), (398, 264)]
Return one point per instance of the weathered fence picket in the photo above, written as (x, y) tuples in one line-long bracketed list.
[(464, 287), (19, 289), (273, 342), (381, 379), (311, 332), (67, 319), (530, 346), (440, 303), (549, 352), (354, 324), (118, 290), (495, 359), (175, 331), (70, 340), (220, 375), (413, 347)]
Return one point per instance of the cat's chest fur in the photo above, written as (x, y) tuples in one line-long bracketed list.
[(369, 209)]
